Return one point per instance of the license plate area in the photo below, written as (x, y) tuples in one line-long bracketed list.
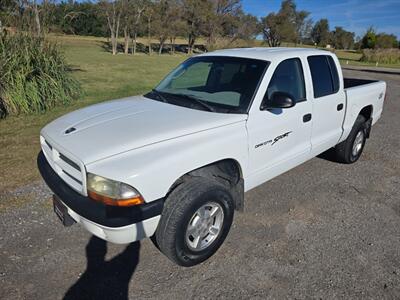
[(62, 212)]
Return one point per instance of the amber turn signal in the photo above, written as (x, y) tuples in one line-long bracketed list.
[(116, 202)]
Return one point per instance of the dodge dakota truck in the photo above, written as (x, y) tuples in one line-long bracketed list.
[(174, 164)]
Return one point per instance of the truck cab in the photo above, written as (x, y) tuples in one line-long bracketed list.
[(174, 164)]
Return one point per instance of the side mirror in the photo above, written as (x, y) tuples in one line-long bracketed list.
[(278, 100)]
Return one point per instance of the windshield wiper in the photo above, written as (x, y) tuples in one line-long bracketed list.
[(159, 95), (196, 100)]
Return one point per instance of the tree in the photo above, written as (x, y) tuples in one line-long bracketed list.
[(357, 43), (369, 39), (244, 26), (8, 13), (148, 14), (342, 39), (34, 16), (137, 9), (287, 25), (7, 6), (163, 15), (303, 26), (195, 15), (37, 18), (79, 19), (270, 29), (47, 11), (126, 20), (113, 11), (320, 33), (221, 14), (131, 16), (177, 26), (384, 40)]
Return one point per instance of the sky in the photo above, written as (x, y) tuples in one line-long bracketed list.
[(352, 15)]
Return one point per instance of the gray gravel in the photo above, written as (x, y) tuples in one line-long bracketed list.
[(322, 230)]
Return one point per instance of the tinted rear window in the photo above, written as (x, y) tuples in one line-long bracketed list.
[(324, 75), (334, 72)]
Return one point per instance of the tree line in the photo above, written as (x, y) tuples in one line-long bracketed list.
[(220, 23)]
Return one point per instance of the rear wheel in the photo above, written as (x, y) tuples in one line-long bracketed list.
[(350, 150), (195, 221)]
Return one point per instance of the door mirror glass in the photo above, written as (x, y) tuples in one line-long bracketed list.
[(278, 100)]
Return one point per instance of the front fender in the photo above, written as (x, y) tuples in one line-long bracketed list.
[(153, 169)]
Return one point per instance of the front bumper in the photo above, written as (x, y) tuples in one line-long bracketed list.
[(118, 235), (114, 224)]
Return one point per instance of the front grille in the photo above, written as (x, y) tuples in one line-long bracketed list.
[(66, 167), (70, 162)]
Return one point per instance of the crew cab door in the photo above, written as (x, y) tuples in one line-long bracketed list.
[(279, 139), (328, 103)]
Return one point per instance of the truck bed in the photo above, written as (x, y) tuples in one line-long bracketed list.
[(352, 82), (361, 93)]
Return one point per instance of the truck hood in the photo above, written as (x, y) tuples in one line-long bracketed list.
[(106, 129)]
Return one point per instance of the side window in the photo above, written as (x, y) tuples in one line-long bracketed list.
[(324, 75), (288, 77)]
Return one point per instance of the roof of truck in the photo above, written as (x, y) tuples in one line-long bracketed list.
[(265, 53)]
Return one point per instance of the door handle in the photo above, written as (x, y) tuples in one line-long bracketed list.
[(339, 107), (306, 118)]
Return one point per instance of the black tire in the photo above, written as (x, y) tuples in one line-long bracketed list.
[(344, 150), (180, 206)]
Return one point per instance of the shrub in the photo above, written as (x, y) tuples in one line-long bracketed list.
[(369, 39), (34, 76), (383, 56)]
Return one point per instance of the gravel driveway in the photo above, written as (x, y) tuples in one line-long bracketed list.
[(322, 230)]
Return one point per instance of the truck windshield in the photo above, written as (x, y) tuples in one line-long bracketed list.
[(212, 83)]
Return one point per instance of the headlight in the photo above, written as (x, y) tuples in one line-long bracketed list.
[(112, 192)]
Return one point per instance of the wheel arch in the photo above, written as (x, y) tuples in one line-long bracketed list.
[(367, 111), (226, 171)]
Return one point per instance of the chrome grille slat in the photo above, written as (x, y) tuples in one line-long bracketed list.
[(72, 177), (70, 162), (69, 169), (47, 150), (48, 145), (65, 166), (70, 182)]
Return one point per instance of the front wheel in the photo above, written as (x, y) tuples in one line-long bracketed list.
[(195, 221)]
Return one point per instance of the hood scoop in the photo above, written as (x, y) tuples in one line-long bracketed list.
[(70, 130)]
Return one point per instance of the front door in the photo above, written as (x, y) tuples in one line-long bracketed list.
[(279, 139)]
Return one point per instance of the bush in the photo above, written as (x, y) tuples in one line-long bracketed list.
[(383, 56), (34, 76)]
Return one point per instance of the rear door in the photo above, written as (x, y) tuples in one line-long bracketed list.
[(279, 139), (328, 103)]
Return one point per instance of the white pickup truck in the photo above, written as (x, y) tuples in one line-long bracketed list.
[(174, 164)]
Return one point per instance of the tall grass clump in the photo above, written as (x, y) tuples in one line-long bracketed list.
[(34, 76), (383, 56)]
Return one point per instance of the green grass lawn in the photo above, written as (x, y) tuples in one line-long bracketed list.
[(103, 77), (353, 58)]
